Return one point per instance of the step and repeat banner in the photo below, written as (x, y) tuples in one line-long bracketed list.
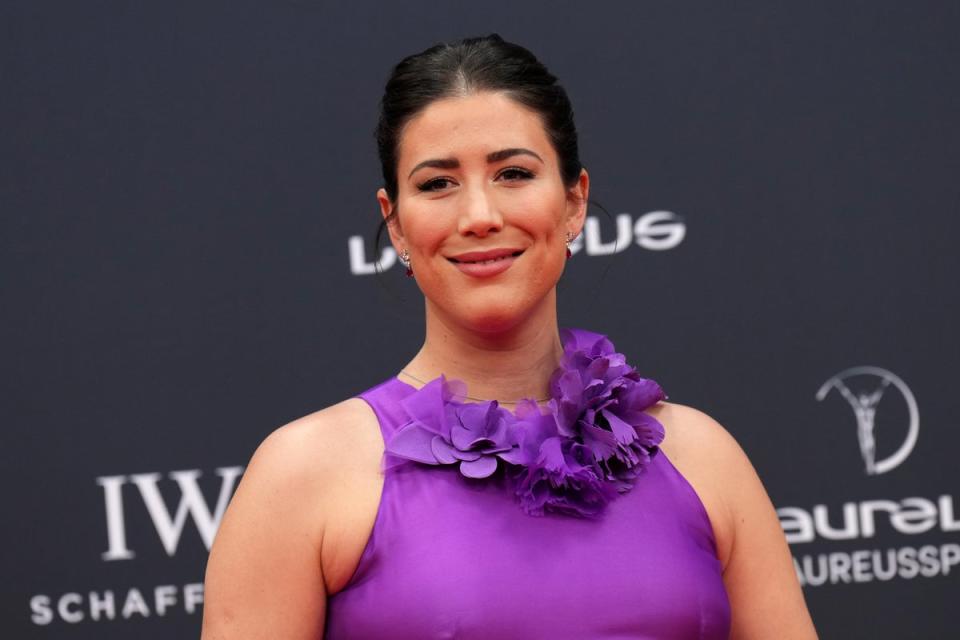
[(188, 213)]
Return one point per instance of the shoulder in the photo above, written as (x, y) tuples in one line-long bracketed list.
[(316, 444), (296, 474), (693, 438), (690, 431), (269, 550), (311, 471), (765, 597), (714, 464)]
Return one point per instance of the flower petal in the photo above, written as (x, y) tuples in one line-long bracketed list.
[(481, 468), (513, 456), (412, 442), (442, 450), (426, 406), (469, 456), (601, 442), (454, 390), (461, 437), (624, 432), (650, 430)]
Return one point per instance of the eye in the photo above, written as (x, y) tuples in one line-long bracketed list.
[(435, 184), (515, 174)]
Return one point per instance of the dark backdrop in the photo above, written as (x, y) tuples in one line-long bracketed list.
[(180, 183)]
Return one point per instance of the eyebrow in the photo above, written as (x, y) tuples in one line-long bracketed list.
[(496, 156)]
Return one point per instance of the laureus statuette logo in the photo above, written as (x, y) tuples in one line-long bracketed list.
[(863, 388)]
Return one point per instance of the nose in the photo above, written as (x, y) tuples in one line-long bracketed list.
[(480, 215)]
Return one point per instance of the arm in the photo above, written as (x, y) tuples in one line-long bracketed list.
[(766, 600), (264, 576), (765, 596)]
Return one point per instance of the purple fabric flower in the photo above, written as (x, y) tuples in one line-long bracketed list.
[(599, 400), (444, 430), (594, 441), (555, 473)]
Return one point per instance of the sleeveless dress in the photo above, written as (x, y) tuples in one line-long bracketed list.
[(454, 557)]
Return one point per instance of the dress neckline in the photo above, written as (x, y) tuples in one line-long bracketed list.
[(589, 443)]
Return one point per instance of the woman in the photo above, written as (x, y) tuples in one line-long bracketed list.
[(591, 510)]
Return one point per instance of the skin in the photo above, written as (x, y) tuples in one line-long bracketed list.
[(297, 525)]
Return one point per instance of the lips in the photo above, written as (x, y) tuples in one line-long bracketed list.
[(484, 257), (485, 264)]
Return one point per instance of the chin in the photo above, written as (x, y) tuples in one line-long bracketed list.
[(492, 323), (493, 307), (493, 314)]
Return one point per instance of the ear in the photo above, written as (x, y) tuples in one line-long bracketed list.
[(577, 197), (387, 210)]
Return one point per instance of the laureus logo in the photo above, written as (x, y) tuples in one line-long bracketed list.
[(863, 388), (654, 231)]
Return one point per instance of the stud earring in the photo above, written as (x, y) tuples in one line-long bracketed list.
[(404, 257)]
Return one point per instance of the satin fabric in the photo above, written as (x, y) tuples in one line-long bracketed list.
[(454, 557)]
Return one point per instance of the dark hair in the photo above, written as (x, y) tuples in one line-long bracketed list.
[(468, 66)]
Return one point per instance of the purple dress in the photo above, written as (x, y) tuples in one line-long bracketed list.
[(454, 557)]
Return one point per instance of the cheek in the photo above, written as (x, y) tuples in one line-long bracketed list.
[(539, 211), (425, 227)]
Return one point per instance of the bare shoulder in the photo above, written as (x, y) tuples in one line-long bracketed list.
[(266, 572), (320, 443), (705, 453), (304, 463), (691, 432)]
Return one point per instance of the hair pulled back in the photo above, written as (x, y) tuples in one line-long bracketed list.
[(469, 66)]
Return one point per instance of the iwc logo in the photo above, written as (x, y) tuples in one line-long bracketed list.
[(135, 602), (863, 388)]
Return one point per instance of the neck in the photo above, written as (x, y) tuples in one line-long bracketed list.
[(506, 365)]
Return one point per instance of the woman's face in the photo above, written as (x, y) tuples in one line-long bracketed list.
[(482, 210)]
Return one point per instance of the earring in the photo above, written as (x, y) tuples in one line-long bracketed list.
[(570, 238), (404, 257)]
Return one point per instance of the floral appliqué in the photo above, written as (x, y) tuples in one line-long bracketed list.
[(590, 445)]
